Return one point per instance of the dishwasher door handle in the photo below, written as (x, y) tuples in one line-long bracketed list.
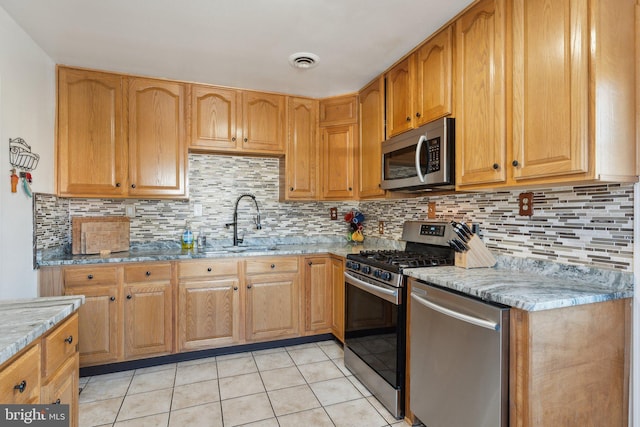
[(460, 316)]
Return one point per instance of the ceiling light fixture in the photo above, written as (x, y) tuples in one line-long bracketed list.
[(304, 60)]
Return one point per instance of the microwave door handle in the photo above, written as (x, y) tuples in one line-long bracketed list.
[(422, 139)]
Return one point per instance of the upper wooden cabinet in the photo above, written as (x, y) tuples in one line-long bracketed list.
[(91, 143), (337, 162), (340, 110), (229, 120), (371, 108), (301, 161), (481, 94), (99, 154), (419, 88)]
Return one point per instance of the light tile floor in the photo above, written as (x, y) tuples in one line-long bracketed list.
[(298, 386)]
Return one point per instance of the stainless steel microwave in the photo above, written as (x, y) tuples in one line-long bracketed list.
[(421, 159)]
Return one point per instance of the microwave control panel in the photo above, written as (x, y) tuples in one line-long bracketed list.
[(433, 155)]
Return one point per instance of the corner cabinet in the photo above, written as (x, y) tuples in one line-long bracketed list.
[(120, 136), (371, 108), (301, 160)]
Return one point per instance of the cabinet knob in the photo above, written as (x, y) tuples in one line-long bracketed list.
[(515, 163), (290, 188), (148, 273), (246, 139), (20, 387), (233, 139), (117, 184), (57, 402), (112, 299), (248, 286), (129, 297), (350, 189), (496, 166), (408, 118), (209, 269), (418, 115), (90, 276), (273, 266), (310, 263), (235, 288), (133, 186), (69, 339)]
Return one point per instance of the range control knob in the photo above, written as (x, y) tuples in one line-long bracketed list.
[(377, 273), (348, 264), (386, 276), (366, 269), (355, 266)]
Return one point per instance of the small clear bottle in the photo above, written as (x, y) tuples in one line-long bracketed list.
[(187, 237)]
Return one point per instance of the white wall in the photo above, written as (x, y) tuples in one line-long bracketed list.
[(27, 110)]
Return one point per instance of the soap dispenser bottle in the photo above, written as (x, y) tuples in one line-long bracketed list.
[(187, 237)]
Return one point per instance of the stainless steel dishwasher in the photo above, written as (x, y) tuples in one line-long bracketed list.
[(459, 359)]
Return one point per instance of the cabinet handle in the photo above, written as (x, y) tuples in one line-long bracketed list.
[(20, 387), (129, 297), (248, 286), (418, 114), (233, 139), (515, 163), (273, 266), (235, 288), (246, 139), (310, 263), (291, 189), (90, 276), (408, 118), (209, 269), (496, 166), (57, 402), (133, 186), (148, 273), (112, 299), (69, 339), (117, 184), (350, 188)]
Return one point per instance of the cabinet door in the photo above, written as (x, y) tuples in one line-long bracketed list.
[(337, 161), (209, 314), (20, 379), (216, 113), (339, 110), (550, 88), (433, 78), (337, 282), (302, 150), (148, 319), (371, 101), (272, 306), (317, 294), (91, 145), (157, 147), (99, 323), (400, 98), (62, 388), (263, 122), (480, 95)]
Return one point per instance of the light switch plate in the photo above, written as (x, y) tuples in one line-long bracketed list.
[(130, 210), (197, 209), (431, 210)]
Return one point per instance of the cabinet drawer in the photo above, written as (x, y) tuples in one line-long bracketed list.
[(207, 268), (147, 273), (59, 345), (22, 374), (271, 265), (90, 276)]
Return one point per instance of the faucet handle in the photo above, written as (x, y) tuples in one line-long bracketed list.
[(241, 238)]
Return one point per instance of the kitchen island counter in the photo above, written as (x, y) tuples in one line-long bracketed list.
[(531, 285), (24, 320)]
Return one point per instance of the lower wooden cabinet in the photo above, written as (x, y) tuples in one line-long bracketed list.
[(45, 372), (272, 298), (337, 294), (317, 295), (208, 304)]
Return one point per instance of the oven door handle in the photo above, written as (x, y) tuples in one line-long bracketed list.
[(456, 315), (385, 294), (422, 139)]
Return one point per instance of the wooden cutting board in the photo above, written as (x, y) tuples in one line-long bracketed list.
[(91, 235)]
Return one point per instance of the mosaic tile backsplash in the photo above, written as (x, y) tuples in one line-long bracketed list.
[(586, 225)]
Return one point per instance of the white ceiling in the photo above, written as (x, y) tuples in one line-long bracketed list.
[(238, 43)]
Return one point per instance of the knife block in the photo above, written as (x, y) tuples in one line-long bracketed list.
[(477, 256)]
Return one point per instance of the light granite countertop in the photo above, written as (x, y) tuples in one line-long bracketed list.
[(531, 285), (24, 320)]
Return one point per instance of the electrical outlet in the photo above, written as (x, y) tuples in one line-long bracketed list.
[(333, 214), (380, 227), (431, 210), (525, 203), (197, 209)]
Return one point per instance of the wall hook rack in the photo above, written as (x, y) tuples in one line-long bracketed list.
[(20, 155)]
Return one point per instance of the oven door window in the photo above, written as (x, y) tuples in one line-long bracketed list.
[(374, 331)]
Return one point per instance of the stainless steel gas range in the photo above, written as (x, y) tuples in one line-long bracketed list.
[(375, 308)]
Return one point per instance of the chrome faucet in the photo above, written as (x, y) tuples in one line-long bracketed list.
[(235, 219)]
